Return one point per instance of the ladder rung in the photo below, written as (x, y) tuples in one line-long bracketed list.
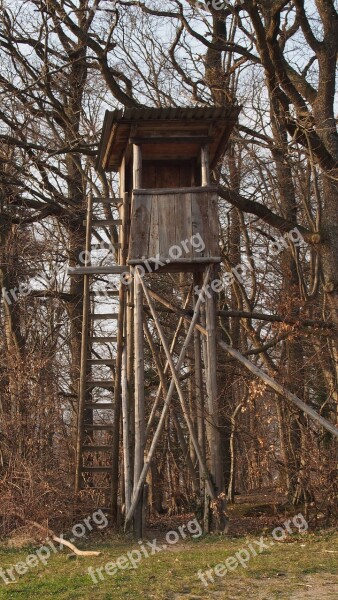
[(97, 448), (103, 427), (99, 406), (105, 246), (113, 270), (103, 293), (101, 361), (97, 469), (105, 222), (101, 383), (103, 340), (104, 317), (108, 200)]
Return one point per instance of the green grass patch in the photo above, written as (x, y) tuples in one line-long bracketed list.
[(172, 573)]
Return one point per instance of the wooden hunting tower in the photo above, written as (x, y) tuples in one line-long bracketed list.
[(165, 219), (164, 158)]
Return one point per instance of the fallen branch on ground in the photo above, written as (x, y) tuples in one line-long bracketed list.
[(51, 534)]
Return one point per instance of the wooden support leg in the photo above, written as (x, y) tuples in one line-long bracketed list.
[(172, 348), (199, 390), (211, 381), (164, 388), (126, 433), (138, 490), (139, 399), (174, 372), (117, 408), (130, 373)]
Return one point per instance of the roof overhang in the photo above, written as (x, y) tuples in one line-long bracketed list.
[(166, 133)]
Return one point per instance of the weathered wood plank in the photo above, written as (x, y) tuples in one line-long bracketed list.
[(113, 270), (160, 221), (140, 221), (205, 166), (137, 167), (149, 175), (178, 190), (166, 217), (105, 222), (213, 225), (179, 139), (196, 260), (154, 238), (197, 221), (182, 228)]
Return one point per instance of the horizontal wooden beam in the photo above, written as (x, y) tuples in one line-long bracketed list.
[(183, 190), (103, 340), (103, 293), (106, 222), (179, 261), (104, 317), (113, 270), (101, 362), (182, 139)]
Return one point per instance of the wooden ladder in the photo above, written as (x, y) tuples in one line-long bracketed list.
[(99, 406)]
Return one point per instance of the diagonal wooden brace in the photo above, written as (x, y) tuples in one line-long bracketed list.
[(158, 432)]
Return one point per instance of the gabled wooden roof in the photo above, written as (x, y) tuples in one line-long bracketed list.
[(165, 133)]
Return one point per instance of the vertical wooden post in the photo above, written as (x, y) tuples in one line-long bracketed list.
[(205, 166), (199, 399), (127, 347), (166, 368), (164, 387), (137, 167), (145, 497), (118, 368), (211, 381), (84, 352), (130, 372), (206, 514), (122, 177), (126, 433), (176, 381), (139, 488), (124, 210), (139, 399)]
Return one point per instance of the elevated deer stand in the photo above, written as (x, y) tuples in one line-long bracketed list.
[(168, 224)]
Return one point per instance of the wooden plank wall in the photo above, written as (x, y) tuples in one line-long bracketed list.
[(165, 218), (167, 174)]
